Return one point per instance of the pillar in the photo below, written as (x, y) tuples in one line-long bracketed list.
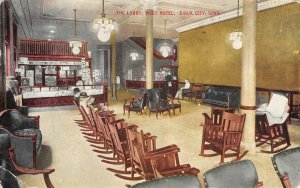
[(149, 49), (11, 66), (2, 58), (113, 64), (248, 81)]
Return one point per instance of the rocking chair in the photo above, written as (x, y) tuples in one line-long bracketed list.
[(224, 139), (271, 125), (157, 162)]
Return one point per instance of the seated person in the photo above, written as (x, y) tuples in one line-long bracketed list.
[(187, 85), (11, 93), (85, 100)]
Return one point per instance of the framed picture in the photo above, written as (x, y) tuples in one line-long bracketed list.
[(25, 81)]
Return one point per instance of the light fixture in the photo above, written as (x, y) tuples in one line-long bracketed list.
[(236, 37), (75, 44), (134, 55), (104, 25), (52, 31), (165, 49), (148, 4)]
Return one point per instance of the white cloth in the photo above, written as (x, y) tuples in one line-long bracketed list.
[(271, 119), (277, 105)]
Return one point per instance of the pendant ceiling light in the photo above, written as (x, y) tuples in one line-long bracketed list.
[(148, 4), (165, 49), (134, 53), (236, 37), (104, 26), (75, 44)]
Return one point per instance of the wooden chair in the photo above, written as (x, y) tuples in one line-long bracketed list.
[(224, 139), (151, 164), (102, 119), (119, 137), (216, 115), (136, 104), (286, 165), (277, 135), (235, 174), (33, 171)]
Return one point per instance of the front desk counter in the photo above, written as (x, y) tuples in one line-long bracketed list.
[(60, 96)]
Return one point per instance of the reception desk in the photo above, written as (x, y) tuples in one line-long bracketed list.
[(138, 84), (59, 96)]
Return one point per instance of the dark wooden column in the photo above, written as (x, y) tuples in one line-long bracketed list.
[(2, 58)]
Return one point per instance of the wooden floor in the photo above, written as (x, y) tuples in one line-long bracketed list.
[(76, 165)]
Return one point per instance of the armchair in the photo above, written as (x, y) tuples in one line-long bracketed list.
[(9, 164), (286, 165), (156, 103), (25, 135), (234, 174), (136, 104), (173, 103), (224, 139), (8, 179)]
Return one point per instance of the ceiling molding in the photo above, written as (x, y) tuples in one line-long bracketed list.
[(232, 14)]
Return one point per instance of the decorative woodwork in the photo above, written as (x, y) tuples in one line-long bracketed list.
[(50, 50)]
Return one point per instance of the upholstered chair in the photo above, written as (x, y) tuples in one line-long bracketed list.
[(24, 134), (186, 181), (287, 167), (234, 174)]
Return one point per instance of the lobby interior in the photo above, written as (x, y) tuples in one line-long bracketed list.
[(50, 47)]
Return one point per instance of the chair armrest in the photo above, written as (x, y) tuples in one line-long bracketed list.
[(259, 185), (37, 120), (165, 149), (22, 169), (286, 181), (161, 154), (133, 127), (207, 118)]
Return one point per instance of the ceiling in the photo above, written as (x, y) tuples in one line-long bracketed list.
[(38, 17)]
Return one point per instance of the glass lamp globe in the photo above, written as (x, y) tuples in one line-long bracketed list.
[(75, 50), (165, 50), (103, 35), (237, 44)]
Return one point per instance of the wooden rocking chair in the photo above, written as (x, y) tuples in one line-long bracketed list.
[(224, 139), (119, 137), (157, 162), (277, 135)]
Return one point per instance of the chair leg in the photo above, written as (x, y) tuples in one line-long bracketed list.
[(128, 113), (48, 181)]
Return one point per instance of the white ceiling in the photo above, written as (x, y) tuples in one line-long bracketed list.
[(37, 17)]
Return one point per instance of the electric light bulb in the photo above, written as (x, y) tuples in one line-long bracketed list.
[(237, 44), (103, 35)]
